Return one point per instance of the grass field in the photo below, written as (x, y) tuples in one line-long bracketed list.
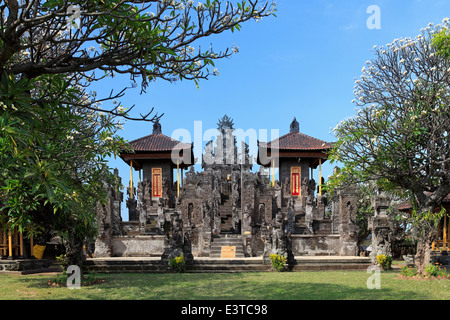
[(338, 285)]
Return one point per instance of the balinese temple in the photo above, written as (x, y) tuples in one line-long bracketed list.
[(11, 244), (227, 210), (155, 157), (296, 155), (20, 253)]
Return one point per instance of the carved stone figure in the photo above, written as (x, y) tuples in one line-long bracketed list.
[(311, 187), (382, 227), (247, 218), (278, 235), (132, 209), (309, 215), (206, 213), (177, 243), (291, 216)]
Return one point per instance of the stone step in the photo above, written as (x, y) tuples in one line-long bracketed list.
[(229, 268), (210, 265), (230, 240), (217, 252), (225, 241)]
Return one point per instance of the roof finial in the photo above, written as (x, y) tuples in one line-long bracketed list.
[(157, 127), (225, 123), (295, 126)]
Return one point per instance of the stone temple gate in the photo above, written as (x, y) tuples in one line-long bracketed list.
[(227, 210)]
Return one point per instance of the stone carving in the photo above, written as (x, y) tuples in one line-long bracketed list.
[(176, 242), (348, 228), (227, 196), (309, 216), (382, 227), (247, 218), (161, 215), (278, 236), (311, 187), (206, 213), (108, 218), (291, 216)]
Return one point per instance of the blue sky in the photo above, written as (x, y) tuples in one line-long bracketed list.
[(302, 63)]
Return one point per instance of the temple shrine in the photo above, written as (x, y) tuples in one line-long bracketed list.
[(227, 210)]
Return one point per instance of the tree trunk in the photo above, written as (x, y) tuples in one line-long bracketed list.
[(423, 254), (74, 251)]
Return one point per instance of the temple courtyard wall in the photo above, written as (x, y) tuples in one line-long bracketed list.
[(153, 246)]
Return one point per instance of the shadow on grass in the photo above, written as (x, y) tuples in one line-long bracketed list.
[(240, 286)]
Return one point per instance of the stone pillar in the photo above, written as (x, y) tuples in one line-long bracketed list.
[(104, 222), (206, 230), (348, 229), (382, 227), (177, 241), (247, 208)]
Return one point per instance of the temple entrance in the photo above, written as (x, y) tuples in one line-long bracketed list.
[(226, 221)]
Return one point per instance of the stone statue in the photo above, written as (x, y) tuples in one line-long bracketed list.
[(311, 187), (176, 242), (309, 213), (291, 216), (247, 217), (147, 193), (142, 220), (206, 214), (161, 215), (278, 235)]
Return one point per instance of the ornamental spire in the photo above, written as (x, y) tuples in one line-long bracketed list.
[(225, 123), (157, 127), (295, 126)]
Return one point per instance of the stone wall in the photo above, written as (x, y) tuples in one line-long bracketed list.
[(311, 245), (137, 246)]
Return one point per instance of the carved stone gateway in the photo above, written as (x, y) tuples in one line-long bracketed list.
[(227, 204), (382, 227), (109, 219), (348, 229), (176, 241)]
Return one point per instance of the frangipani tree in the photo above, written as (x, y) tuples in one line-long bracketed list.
[(400, 134), (55, 136), (145, 39)]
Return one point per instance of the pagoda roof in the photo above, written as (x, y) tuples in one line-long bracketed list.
[(299, 142), (156, 146), (297, 145), (157, 142)]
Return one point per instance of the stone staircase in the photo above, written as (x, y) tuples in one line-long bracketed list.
[(225, 214), (218, 265), (155, 265), (227, 240), (300, 225)]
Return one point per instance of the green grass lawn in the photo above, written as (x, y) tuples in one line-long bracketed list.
[(337, 285)]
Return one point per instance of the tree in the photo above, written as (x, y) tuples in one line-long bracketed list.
[(400, 135), (54, 135), (146, 39), (53, 160)]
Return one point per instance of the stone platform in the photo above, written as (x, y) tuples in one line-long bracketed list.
[(28, 266), (224, 265)]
